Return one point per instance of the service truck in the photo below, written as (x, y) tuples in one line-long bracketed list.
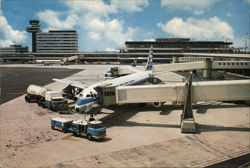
[(46, 98), (35, 93), (54, 101), (90, 129)]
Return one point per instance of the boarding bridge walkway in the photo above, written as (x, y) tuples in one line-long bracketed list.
[(186, 93), (66, 60), (231, 90), (162, 68)]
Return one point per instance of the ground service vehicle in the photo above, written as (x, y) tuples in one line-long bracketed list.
[(61, 124), (35, 93), (54, 101), (90, 129)]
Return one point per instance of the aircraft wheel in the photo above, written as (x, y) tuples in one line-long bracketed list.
[(27, 99), (89, 137)]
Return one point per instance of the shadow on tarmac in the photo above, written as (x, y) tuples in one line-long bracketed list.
[(123, 113), (203, 108), (212, 128)]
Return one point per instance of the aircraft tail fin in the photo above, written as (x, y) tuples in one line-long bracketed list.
[(150, 59)]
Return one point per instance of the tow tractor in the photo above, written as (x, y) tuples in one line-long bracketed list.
[(91, 129)]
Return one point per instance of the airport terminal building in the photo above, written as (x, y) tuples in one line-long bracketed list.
[(57, 41), (12, 50), (58, 44), (168, 45)]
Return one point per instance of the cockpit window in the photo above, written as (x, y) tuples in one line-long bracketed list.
[(88, 95)]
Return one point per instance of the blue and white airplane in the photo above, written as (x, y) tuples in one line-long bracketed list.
[(88, 97)]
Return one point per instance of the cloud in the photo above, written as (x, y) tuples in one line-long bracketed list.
[(0, 7), (248, 1), (111, 50), (8, 35), (239, 42), (106, 33), (98, 7), (198, 12), (98, 30), (210, 29), (6, 43), (196, 6), (52, 19), (131, 5), (148, 39)]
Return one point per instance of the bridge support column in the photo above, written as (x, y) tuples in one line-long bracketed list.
[(187, 119), (207, 73), (175, 59)]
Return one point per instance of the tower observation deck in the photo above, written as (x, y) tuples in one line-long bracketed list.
[(33, 28)]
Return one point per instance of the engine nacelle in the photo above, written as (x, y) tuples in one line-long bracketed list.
[(108, 75), (158, 104)]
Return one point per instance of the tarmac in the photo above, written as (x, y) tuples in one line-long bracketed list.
[(15, 80), (137, 136)]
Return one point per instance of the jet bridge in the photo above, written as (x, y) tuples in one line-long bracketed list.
[(66, 60), (185, 93), (107, 95), (231, 90)]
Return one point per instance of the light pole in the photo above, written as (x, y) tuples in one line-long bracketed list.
[(248, 39), (245, 46)]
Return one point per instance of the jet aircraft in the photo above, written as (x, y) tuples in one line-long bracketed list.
[(88, 96)]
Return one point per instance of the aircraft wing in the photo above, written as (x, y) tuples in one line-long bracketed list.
[(133, 70), (127, 70), (76, 84)]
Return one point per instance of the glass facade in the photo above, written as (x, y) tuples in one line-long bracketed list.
[(57, 41), (163, 45), (13, 49)]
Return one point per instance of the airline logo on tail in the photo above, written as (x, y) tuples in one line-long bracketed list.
[(150, 59)]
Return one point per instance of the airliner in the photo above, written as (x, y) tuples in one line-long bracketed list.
[(88, 97)]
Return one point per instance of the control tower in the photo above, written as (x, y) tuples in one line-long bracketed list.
[(34, 28)]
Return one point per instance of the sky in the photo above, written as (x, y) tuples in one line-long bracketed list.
[(105, 25)]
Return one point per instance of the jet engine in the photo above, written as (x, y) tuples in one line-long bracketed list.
[(108, 74), (158, 104)]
